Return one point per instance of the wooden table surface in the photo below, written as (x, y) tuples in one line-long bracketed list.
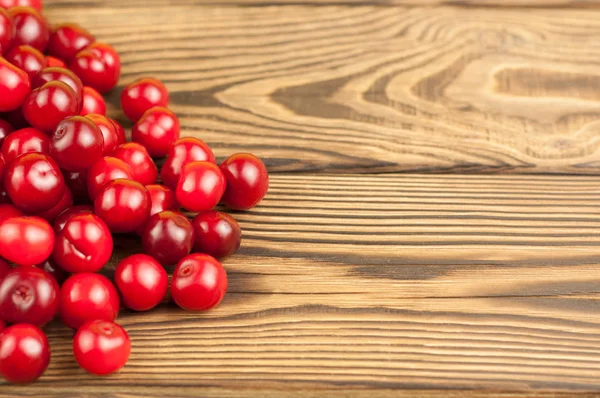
[(433, 223)]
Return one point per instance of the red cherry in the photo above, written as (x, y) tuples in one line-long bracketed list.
[(157, 130), (62, 218), (216, 234), (7, 211), (5, 268), (26, 240), (105, 170), (23, 141), (31, 28), (83, 245), (88, 297), (77, 182), (199, 283), (7, 31), (247, 181), (53, 62), (101, 347), (124, 205), (14, 86), (142, 281), (37, 4), (59, 275), (92, 102), (184, 151), (28, 295), (168, 237), (163, 199), (64, 203), (109, 132), (47, 106), (29, 59), (142, 95), (62, 75), (77, 143), (5, 129), (200, 186), (120, 131), (34, 182), (98, 65), (66, 40), (24, 353), (144, 170)]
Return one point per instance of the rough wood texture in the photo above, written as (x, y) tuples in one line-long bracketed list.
[(411, 282), (373, 89)]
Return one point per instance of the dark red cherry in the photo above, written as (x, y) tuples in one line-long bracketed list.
[(14, 86), (28, 295), (48, 105), (34, 182), (184, 151), (66, 40), (31, 28), (77, 143), (23, 141), (29, 59), (247, 181), (77, 182), (168, 237), (216, 234)]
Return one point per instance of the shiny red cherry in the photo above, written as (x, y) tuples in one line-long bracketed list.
[(37, 4), (83, 245), (92, 102), (34, 182), (49, 74), (53, 62), (105, 170), (157, 130), (62, 218), (28, 295), (88, 297), (29, 59), (184, 151), (201, 186), (142, 95), (31, 28), (59, 275), (120, 132), (101, 347), (26, 240), (98, 65), (45, 107), (7, 31), (24, 353), (77, 143), (143, 167), (199, 283), (66, 40), (14, 86), (23, 141), (163, 199), (109, 132), (142, 281), (5, 268), (124, 205), (216, 234), (64, 203), (5, 129), (168, 236), (247, 181), (7, 211), (77, 182)]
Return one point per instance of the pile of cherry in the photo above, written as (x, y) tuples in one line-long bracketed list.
[(69, 181)]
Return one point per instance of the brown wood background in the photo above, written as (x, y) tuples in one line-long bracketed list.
[(433, 226)]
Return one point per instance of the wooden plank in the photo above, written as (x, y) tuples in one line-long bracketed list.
[(372, 89), (380, 283)]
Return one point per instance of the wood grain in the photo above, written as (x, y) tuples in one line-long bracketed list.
[(370, 89), (368, 284)]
